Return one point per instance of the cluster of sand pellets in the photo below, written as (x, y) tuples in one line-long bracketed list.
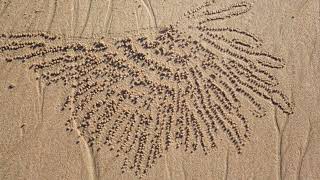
[(141, 95)]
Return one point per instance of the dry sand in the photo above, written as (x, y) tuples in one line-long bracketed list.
[(159, 89)]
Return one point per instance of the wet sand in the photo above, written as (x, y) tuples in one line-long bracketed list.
[(164, 89)]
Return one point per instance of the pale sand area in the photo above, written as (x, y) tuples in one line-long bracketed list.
[(34, 144)]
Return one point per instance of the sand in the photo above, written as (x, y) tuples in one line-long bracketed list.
[(146, 89)]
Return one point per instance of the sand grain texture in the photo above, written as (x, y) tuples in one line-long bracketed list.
[(163, 89)]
